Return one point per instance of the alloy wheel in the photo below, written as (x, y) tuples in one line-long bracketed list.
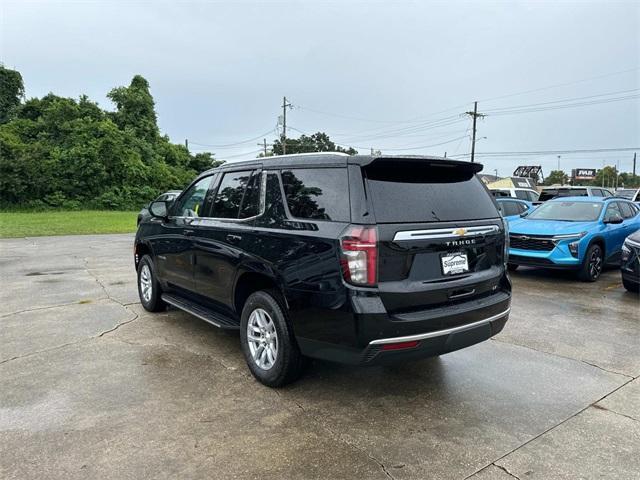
[(595, 263), (146, 286), (262, 338)]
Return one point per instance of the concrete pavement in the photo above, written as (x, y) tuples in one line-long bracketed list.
[(92, 386)]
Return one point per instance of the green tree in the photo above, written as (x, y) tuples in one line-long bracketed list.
[(318, 142), (11, 92), (136, 108), (556, 177)]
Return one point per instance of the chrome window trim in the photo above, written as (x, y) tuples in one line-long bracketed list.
[(437, 233), (439, 333)]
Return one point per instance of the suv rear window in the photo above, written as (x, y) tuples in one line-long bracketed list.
[(317, 193), (411, 192)]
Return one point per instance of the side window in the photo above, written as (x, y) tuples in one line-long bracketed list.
[(511, 208), (612, 210), (192, 202), (522, 194), (607, 193), (229, 196), (251, 202), (596, 192), (274, 212), (318, 193), (627, 210)]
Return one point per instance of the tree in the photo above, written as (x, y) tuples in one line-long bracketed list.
[(556, 177), (136, 108), (60, 152), (318, 142), (11, 92)]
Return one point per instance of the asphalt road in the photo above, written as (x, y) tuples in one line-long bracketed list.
[(91, 386)]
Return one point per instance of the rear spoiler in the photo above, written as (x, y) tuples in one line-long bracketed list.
[(419, 160)]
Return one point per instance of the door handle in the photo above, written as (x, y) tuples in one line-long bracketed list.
[(188, 232), (231, 238)]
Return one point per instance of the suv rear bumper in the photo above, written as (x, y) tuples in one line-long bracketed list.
[(459, 326)]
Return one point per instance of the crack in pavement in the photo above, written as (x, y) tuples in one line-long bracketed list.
[(592, 404), (494, 339), (600, 407), (504, 469), (35, 309)]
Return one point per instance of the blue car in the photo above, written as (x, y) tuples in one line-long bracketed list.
[(511, 208), (578, 233)]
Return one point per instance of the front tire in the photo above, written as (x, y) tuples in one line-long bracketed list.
[(592, 264), (267, 341), (149, 289)]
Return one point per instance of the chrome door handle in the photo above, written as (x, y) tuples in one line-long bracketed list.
[(231, 238)]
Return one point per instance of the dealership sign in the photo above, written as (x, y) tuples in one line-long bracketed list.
[(583, 173)]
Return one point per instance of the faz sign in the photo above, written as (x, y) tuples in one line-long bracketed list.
[(583, 173)]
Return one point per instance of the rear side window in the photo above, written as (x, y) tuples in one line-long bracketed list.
[(228, 199), (317, 193), (250, 205), (627, 210), (522, 194), (413, 192), (511, 208), (566, 192)]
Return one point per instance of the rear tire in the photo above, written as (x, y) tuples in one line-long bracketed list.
[(512, 267), (267, 340), (149, 289), (631, 287), (592, 264)]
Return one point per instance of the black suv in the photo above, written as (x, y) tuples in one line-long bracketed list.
[(355, 259)]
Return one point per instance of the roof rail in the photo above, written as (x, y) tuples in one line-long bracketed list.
[(308, 154)]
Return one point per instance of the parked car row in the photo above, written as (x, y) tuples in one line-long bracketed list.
[(363, 259)]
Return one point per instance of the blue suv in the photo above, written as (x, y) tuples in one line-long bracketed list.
[(579, 233)]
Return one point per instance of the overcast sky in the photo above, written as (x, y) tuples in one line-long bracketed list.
[(393, 76)]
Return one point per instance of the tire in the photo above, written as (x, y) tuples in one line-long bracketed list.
[(149, 289), (630, 286), (267, 340), (512, 267), (592, 264)]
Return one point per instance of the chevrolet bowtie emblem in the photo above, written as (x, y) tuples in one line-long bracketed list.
[(461, 232)]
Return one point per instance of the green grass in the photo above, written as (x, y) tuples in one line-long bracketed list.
[(35, 224)]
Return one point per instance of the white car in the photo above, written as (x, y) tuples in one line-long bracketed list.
[(632, 194), (527, 194)]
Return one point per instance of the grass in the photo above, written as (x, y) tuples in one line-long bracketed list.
[(36, 224)]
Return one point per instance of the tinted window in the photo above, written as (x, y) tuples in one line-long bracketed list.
[(628, 194), (627, 210), (318, 194), (562, 192), (192, 202), (607, 193), (596, 192), (500, 193), (511, 208), (226, 203), (274, 212), (251, 202), (522, 194), (405, 191), (567, 211), (533, 196)]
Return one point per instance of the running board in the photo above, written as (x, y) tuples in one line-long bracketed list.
[(203, 313)]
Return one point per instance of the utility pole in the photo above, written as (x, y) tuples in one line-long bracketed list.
[(186, 144), (634, 165), (475, 116), (264, 145), (284, 124), (496, 172)]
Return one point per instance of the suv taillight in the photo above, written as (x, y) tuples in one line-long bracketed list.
[(359, 257)]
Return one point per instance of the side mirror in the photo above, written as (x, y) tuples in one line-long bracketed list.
[(524, 214), (614, 220), (159, 209)]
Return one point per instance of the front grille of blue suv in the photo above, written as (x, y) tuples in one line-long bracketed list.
[(578, 233)]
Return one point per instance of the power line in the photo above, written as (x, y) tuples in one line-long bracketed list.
[(228, 145), (550, 152), (564, 100), (559, 107)]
